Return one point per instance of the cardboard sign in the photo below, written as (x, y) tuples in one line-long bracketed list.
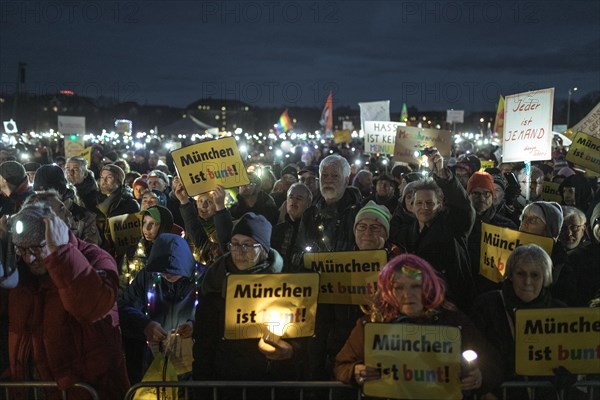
[(125, 231), (416, 361), (282, 304), (528, 126), (10, 126), (374, 111), (550, 192), (486, 164), (348, 277), (548, 338), (380, 136), (585, 151), (497, 244), (205, 165), (74, 146), (71, 125), (410, 138), (342, 136), (590, 124)]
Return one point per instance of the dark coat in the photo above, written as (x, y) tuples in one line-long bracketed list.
[(289, 238), (444, 242), (118, 203), (265, 206), (68, 322), (87, 191)]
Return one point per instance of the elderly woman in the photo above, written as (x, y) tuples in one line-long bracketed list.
[(215, 358), (526, 285), (545, 218), (410, 291)]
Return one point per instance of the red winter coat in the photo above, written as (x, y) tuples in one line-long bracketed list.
[(67, 322)]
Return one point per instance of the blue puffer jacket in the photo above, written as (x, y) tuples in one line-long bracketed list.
[(151, 297)]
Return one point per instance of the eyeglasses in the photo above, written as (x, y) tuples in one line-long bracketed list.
[(244, 248), (32, 250), (531, 220), (375, 228), (485, 195), (575, 228)]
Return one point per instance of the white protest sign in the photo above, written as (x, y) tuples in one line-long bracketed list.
[(380, 136), (374, 111), (10, 126), (590, 124), (528, 126), (455, 116), (71, 125)]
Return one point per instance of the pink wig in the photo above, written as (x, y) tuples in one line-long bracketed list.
[(433, 293)]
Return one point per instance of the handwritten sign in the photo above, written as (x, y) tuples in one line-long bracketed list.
[(416, 361), (205, 165), (528, 126), (283, 304), (380, 136), (410, 138), (347, 277), (125, 231), (549, 338), (585, 151), (590, 124), (497, 244)]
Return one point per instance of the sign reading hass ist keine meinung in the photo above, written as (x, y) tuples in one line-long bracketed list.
[(205, 165)]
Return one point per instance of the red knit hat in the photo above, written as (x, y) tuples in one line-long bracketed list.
[(481, 180)]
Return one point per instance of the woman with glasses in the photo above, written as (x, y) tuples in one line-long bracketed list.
[(215, 358), (545, 218)]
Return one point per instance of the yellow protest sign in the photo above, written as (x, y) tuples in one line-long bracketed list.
[(486, 164), (552, 337), (416, 361), (497, 244), (410, 138), (585, 151), (348, 277), (125, 231), (87, 154), (283, 304), (550, 192), (205, 165), (342, 136)]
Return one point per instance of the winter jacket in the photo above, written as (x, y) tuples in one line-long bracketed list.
[(87, 192), (353, 351), (444, 242), (119, 202), (83, 224), (289, 238), (265, 206), (67, 322)]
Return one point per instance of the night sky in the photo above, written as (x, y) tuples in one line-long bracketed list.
[(432, 55)]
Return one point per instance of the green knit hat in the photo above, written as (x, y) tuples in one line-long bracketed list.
[(377, 212)]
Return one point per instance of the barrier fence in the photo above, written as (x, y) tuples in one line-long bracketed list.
[(37, 386)]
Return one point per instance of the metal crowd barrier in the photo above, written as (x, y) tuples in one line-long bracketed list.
[(36, 386), (304, 388), (531, 387), (589, 388), (584, 389)]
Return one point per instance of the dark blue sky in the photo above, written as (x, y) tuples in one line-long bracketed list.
[(430, 54)]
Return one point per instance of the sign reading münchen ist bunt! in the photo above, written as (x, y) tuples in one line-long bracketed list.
[(205, 165)]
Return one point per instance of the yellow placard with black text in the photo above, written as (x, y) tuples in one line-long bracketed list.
[(87, 154), (485, 164), (282, 304), (548, 338), (343, 136), (550, 192), (416, 361), (347, 277), (205, 165), (125, 231), (496, 245), (585, 151)]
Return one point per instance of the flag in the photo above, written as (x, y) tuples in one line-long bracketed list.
[(404, 115), (327, 115), (499, 122), (285, 123)]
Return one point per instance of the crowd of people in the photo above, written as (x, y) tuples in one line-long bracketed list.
[(74, 308)]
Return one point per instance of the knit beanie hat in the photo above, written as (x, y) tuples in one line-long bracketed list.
[(116, 171), (500, 181), (140, 182), (13, 172), (32, 166), (377, 212), (162, 215), (48, 177), (481, 180), (255, 226), (553, 217)]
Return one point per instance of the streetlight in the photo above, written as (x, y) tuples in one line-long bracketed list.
[(571, 90)]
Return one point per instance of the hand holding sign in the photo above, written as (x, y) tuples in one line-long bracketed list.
[(362, 373), (180, 192)]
